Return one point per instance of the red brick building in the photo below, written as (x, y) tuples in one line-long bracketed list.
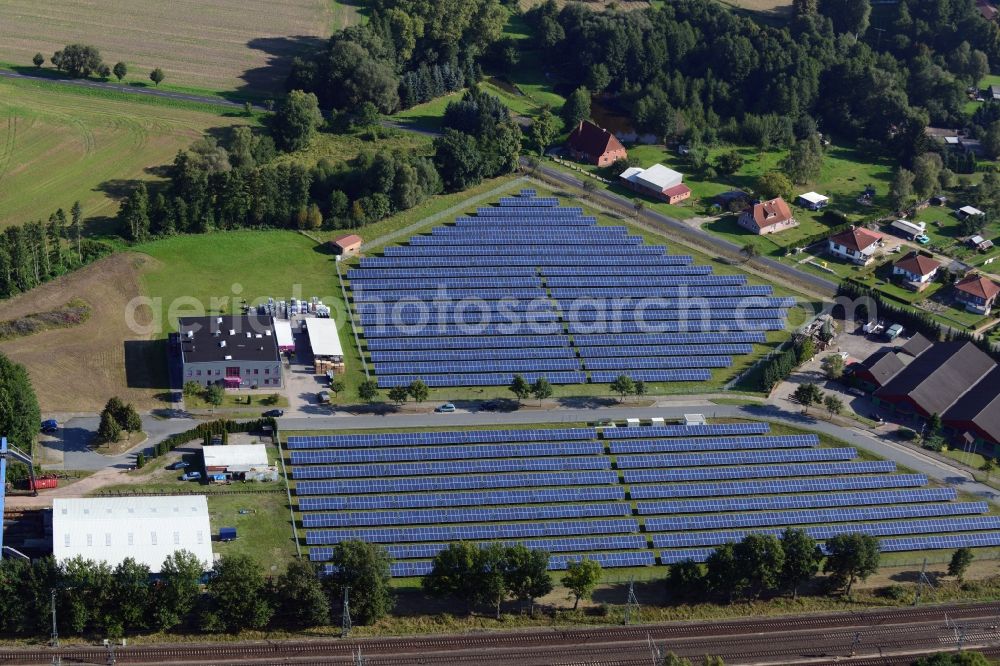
[(592, 144)]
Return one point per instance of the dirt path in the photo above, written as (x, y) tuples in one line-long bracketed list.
[(110, 476)]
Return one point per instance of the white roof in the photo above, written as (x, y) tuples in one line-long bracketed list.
[(977, 240), (323, 337), (147, 529), (283, 333), (232, 455), (910, 226), (658, 177), (951, 140), (629, 172), (969, 210), (813, 197)]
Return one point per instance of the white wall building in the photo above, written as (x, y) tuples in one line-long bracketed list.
[(147, 529)]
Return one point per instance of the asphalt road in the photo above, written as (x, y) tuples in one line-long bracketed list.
[(131, 90), (76, 434), (903, 455)]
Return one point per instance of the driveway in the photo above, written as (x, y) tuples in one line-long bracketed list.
[(69, 448)]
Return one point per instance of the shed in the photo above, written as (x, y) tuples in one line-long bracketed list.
[(907, 229), (283, 334), (234, 457), (980, 243), (694, 419), (348, 245), (631, 422), (812, 200), (969, 211)]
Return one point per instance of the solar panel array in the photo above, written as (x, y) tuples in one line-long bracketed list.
[(550, 265), (693, 487)]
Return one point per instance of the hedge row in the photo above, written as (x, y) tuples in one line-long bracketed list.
[(205, 431)]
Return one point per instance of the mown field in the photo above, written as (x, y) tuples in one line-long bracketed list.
[(223, 45), (59, 145)]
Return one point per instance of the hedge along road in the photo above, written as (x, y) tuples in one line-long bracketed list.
[(131, 90)]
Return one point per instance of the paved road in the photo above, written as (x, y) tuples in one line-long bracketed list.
[(698, 237), (903, 455), (74, 437), (131, 90)]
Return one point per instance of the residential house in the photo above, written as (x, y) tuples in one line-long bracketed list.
[(989, 12), (592, 144), (918, 270), (977, 293), (657, 181), (812, 201), (767, 217), (857, 245)]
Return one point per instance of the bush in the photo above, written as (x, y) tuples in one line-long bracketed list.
[(894, 592), (140, 460), (906, 434)]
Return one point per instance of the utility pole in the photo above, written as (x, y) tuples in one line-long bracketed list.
[(631, 604), (923, 580), (857, 641), (345, 624), (358, 659), (55, 632)]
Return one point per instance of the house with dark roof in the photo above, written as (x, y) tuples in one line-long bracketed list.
[(857, 245), (976, 415), (936, 379), (229, 351), (916, 345), (917, 270), (977, 293), (767, 217), (595, 145)]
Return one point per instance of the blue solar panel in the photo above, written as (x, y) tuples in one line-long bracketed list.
[(442, 322), (483, 379), (797, 502), (654, 376), (607, 340), (735, 458), (481, 498), (450, 467), (456, 330), (689, 325), (462, 482), (411, 308), (709, 444), (664, 350), (607, 251), (561, 293), (709, 429), (411, 551), (467, 515), (693, 305), (442, 437), (432, 273), (678, 262), (712, 313), (657, 362), (431, 295), (364, 285), (468, 532), (551, 259), (470, 355), (819, 532), (467, 342), (629, 281), (536, 365), (815, 485), (816, 516), (450, 452), (944, 541), (574, 238), (606, 560), (756, 471)]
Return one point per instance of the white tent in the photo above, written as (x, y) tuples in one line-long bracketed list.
[(324, 339), (147, 529), (235, 455)]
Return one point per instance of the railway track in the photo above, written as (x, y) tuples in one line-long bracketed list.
[(803, 639)]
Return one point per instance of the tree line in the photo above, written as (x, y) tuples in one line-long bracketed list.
[(36, 252), (81, 61)]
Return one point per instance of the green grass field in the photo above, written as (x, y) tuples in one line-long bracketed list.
[(59, 144)]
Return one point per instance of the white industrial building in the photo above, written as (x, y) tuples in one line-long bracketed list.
[(234, 457), (324, 339), (147, 529), (283, 335), (658, 181)]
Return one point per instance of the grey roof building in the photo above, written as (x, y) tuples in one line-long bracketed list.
[(231, 351), (937, 378)]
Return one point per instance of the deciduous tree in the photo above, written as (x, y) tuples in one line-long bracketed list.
[(581, 578), (157, 76), (295, 123), (623, 386), (364, 568), (851, 557), (520, 387), (302, 602), (418, 391), (238, 597), (960, 561), (177, 589), (802, 559)]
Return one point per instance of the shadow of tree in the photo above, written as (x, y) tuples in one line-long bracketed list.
[(280, 51)]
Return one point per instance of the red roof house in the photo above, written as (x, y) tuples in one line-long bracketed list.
[(767, 217), (347, 245), (590, 143), (857, 245), (918, 270), (977, 293)]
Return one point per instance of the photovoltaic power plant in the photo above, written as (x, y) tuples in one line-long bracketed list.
[(625, 496), (533, 288)]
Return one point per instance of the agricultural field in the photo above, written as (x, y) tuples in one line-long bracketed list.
[(228, 45), (59, 145)]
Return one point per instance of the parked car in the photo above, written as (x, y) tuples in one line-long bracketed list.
[(180, 464), (323, 397), (274, 413), (446, 408), (923, 239), (50, 426), (191, 476)]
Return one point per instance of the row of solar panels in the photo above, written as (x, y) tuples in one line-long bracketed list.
[(481, 379), (497, 531), (545, 365), (596, 509), (555, 329), (521, 435), (469, 321), (532, 449), (598, 493), (412, 551), (560, 293), (519, 259), (490, 465), (582, 340), (608, 253)]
